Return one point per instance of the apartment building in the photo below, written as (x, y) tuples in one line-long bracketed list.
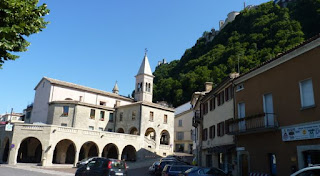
[(277, 124)]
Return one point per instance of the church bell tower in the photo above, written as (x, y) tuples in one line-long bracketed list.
[(144, 81)]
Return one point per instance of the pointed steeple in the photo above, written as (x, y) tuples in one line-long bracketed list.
[(145, 66), (115, 89)]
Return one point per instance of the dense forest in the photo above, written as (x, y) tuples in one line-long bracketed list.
[(257, 34)]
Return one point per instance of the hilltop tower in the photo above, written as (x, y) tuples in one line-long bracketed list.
[(144, 82)]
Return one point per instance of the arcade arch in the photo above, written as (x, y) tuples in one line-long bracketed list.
[(64, 152), (30, 151), (164, 137), (129, 153), (120, 130), (110, 151), (5, 155), (134, 131), (150, 134), (88, 149)]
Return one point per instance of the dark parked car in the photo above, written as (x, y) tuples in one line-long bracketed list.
[(175, 170), (159, 169), (84, 161), (103, 167), (203, 171)]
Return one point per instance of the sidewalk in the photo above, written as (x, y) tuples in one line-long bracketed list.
[(39, 169)]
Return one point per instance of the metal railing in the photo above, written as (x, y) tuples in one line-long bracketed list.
[(254, 123)]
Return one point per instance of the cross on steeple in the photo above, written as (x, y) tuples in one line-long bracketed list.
[(145, 51)]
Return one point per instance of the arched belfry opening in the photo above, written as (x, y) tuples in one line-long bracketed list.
[(88, 150), (110, 151), (64, 152), (30, 151)]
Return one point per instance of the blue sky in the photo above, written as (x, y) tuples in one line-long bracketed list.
[(96, 43)]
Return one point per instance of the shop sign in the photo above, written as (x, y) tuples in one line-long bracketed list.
[(302, 132), (8, 127)]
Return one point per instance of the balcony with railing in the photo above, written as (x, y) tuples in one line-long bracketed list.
[(196, 118), (253, 124)]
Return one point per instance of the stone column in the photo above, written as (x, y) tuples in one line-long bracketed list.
[(119, 156), (47, 155), (12, 158), (100, 154), (1, 153), (76, 158)]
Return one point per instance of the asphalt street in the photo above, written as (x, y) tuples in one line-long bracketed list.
[(13, 171)]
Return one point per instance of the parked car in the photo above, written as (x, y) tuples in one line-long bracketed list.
[(308, 171), (175, 170), (103, 167), (153, 167), (158, 170), (203, 171), (84, 161), (166, 170)]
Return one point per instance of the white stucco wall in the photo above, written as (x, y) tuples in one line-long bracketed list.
[(61, 93), (41, 100)]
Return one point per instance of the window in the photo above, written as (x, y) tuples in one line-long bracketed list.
[(306, 93), (121, 116), (151, 116), (100, 129), (180, 136), (92, 114), (91, 128), (102, 103), (133, 115), (220, 129), (239, 87), (111, 117), (228, 93), (241, 115), (212, 104), (65, 111), (64, 124), (212, 131), (205, 134), (220, 98), (180, 123), (80, 98), (149, 87), (102, 115), (204, 108), (165, 118)]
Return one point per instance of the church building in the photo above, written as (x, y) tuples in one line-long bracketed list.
[(70, 122)]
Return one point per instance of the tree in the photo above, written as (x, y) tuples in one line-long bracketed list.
[(19, 19)]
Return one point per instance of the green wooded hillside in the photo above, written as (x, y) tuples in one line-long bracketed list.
[(256, 35)]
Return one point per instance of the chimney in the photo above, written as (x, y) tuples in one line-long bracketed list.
[(208, 86), (234, 75)]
